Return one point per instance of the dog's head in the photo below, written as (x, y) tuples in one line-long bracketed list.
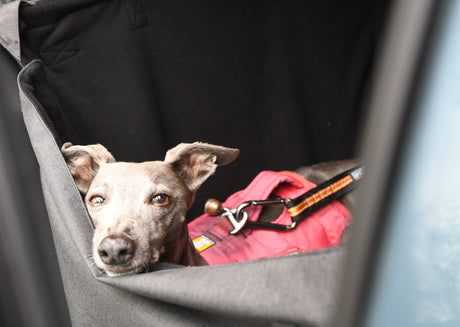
[(138, 209)]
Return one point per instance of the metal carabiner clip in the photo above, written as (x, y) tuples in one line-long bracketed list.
[(239, 217), (238, 224)]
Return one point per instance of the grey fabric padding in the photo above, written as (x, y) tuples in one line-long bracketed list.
[(299, 289), (9, 31)]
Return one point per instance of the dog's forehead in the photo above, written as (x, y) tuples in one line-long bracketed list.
[(157, 172)]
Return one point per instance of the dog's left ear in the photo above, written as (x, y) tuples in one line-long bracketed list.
[(195, 162)]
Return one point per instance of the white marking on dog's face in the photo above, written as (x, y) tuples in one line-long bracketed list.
[(144, 202)]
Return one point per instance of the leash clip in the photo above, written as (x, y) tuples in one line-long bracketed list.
[(238, 217), (237, 224)]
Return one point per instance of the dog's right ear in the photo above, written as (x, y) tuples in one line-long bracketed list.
[(84, 162)]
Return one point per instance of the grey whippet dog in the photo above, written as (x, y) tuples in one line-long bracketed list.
[(138, 209)]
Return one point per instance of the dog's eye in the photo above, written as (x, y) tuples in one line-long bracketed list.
[(161, 199), (97, 200)]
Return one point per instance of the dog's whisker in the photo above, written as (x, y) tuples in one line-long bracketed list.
[(129, 236), (89, 257)]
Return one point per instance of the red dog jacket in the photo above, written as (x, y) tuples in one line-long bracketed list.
[(323, 228)]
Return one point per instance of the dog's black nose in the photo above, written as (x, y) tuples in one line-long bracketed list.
[(116, 250)]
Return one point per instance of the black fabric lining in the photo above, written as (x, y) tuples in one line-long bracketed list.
[(142, 76), (136, 13)]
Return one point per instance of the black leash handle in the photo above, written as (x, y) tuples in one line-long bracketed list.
[(300, 207)]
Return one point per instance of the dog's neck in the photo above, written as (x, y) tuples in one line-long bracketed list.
[(182, 252)]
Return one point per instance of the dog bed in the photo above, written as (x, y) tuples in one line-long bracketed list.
[(281, 81)]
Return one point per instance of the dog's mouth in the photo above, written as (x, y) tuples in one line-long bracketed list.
[(141, 261), (116, 271), (121, 270)]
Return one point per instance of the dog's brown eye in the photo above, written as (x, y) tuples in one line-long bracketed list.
[(97, 200), (161, 199)]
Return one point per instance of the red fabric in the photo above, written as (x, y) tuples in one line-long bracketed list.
[(321, 229)]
